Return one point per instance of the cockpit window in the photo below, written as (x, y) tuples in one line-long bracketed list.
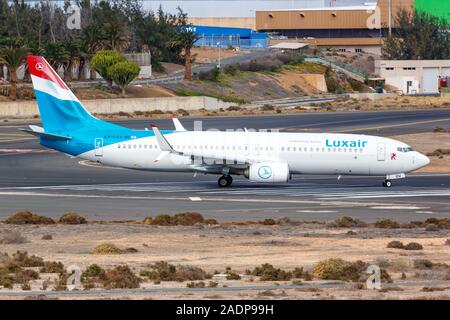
[(405, 149)]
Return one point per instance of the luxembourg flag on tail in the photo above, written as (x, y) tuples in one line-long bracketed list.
[(60, 110)]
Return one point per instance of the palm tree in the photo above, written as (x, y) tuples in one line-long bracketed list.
[(56, 54), (115, 37), (13, 57), (92, 41), (185, 39), (74, 54)]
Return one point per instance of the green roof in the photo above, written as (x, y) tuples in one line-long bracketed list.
[(438, 8)]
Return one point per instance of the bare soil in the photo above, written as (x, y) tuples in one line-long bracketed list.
[(243, 247)]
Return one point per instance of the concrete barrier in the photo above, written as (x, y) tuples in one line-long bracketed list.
[(23, 109), (371, 95)]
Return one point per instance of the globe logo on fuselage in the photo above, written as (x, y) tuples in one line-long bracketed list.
[(265, 172)]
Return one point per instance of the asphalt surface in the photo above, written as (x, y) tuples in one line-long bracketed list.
[(47, 182)]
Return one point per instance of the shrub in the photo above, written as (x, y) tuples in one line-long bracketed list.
[(13, 237), (72, 218), (93, 271), (106, 248), (423, 264), (200, 284), (121, 277), (211, 221), (338, 269), (413, 246), (52, 267), (26, 217), (210, 75), (386, 224), (47, 237), (349, 222), (234, 108), (188, 218), (268, 272), (269, 222), (330, 269), (267, 107), (395, 245), (164, 271), (22, 259), (162, 220), (233, 276), (230, 69), (447, 242), (24, 276)]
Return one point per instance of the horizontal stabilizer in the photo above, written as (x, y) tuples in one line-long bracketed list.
[(39, 132)]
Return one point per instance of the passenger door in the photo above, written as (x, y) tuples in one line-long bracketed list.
[(381, 152)]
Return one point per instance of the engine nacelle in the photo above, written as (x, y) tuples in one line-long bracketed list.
[(268, 172)]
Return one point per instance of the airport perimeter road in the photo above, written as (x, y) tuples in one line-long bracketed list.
[(44, 181)]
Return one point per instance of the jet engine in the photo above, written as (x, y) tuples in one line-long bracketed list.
[(268, 172)]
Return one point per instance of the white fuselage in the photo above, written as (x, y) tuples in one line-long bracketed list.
[(304, 153)]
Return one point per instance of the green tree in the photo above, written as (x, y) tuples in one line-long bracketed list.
[(185, 39), (123, 73), (103, 60), (13, 57), (417, 36)]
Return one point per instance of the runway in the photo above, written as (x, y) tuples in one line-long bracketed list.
[(33, 178)]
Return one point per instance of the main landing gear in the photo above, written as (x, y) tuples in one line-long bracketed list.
[(225, 181)]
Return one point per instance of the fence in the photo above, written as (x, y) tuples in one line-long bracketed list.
[(4, 90), (231, 41)]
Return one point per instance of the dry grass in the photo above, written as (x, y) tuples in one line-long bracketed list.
[(107, 248), (72, 218), (26, 217), (180, 219), (164, 271)]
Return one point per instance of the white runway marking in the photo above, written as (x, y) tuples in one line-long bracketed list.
[(398, 208), (324, 191), (195, 198)]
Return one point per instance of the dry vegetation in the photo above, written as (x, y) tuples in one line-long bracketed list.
[(182, 251)]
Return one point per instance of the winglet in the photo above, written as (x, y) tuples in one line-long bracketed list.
[(164, 145), (177, 123)]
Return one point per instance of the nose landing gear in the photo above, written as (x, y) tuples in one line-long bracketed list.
[(387, 183), (225, 181)]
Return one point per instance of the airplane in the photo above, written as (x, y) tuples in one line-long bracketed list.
[(266, 157)]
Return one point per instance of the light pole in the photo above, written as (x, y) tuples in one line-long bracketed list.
[(218, 44)]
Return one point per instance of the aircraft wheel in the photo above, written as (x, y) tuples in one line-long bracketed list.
[(224, 181), (387, 184)]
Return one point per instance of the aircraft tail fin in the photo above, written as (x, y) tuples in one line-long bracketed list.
[(60, 110)]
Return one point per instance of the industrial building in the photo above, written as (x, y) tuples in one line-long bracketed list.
[(414, 76), (346, 28)]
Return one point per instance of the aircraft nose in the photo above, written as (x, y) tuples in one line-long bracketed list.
[(422, 160)]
